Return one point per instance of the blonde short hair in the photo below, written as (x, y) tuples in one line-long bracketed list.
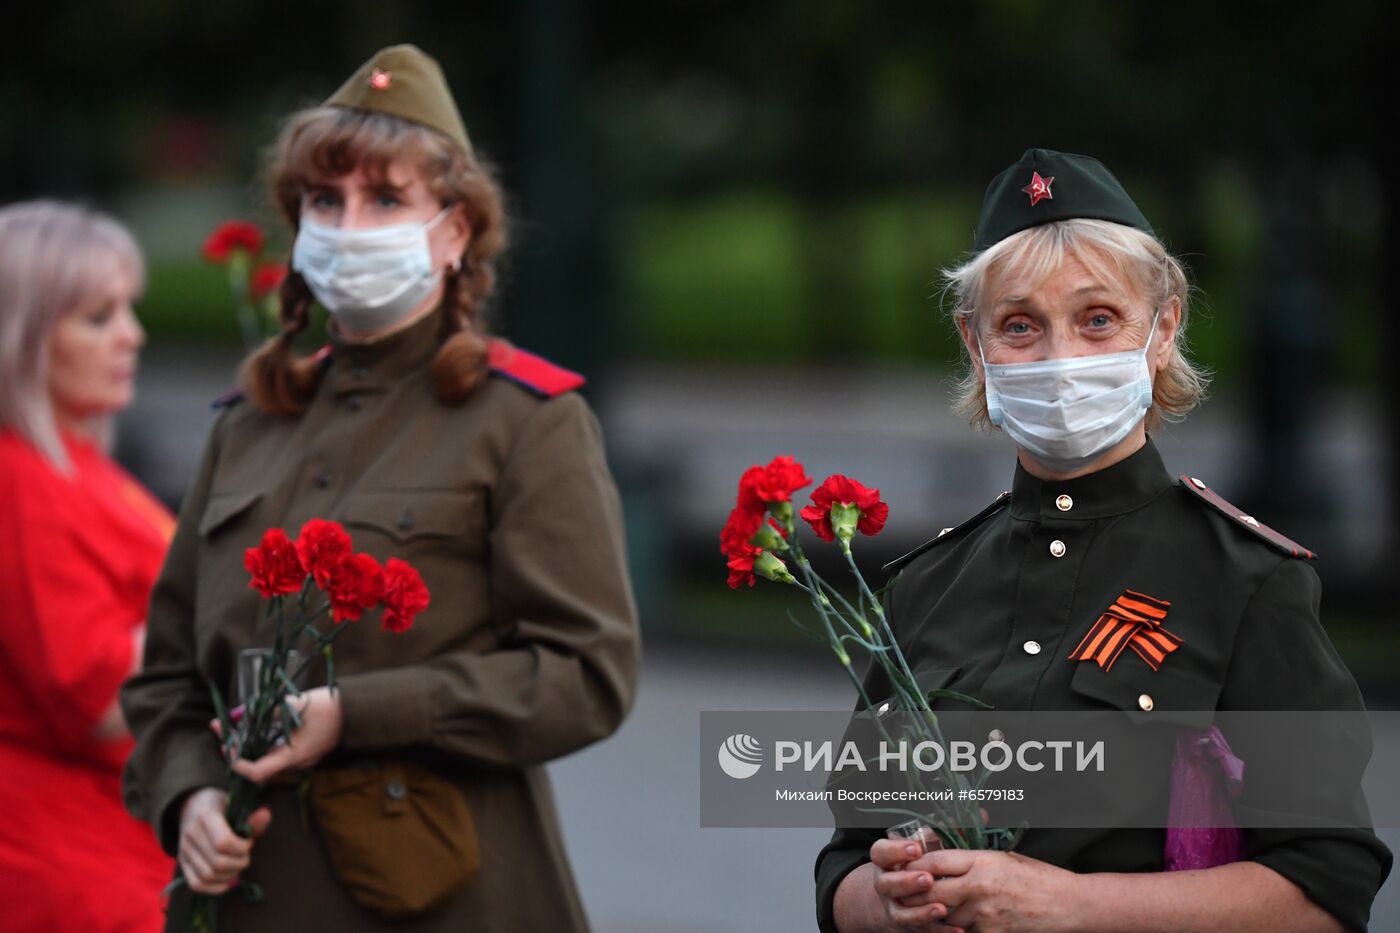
[(1130, 258), (55, 259)]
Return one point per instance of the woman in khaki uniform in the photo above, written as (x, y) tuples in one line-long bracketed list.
[(470, 459)]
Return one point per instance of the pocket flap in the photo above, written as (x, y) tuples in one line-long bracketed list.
[(223, 507), (1171, 693), (406, 514)]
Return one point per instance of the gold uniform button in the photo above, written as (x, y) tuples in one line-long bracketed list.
[(1057, 548), (1145, 702), (1064, 503)]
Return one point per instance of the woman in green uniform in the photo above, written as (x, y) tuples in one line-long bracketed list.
[(1073, 316), (474, 461)]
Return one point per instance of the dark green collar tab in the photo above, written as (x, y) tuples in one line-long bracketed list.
[(1046, 186)]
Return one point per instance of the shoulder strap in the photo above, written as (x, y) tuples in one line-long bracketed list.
[(228, 399), (951, 532), (530, 371), (1203, 493)]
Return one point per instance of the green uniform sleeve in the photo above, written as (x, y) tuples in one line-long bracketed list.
[(1283, 660), (166, 704), (564, 674)]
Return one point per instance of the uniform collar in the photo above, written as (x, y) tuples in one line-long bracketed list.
[(1126, 485), (360, 367)]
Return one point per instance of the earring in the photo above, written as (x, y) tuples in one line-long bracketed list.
[(457, 265)]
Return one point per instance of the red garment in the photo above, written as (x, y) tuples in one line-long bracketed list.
[(78, 557)]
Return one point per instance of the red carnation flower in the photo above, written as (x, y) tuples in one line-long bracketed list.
[(741, 565), (741, 526), (266, 279), (355, 585), (274, 564), (233, 235), (841, 490), (776, 482), (322, 545), (405, 595)]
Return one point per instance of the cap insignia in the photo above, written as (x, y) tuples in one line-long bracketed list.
[(1039, 188)]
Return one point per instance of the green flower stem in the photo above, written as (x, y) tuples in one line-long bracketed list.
[(884, 623), (880, 641), (824, 614), (238, 267), (929, 717)]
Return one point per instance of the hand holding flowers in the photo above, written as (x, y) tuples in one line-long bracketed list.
[(279, 726)]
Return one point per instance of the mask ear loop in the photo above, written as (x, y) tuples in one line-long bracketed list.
[(438, 219), (989, 395), (1146, 383), (1152, 331)]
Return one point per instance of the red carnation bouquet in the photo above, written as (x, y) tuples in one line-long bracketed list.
[(253, 281), (304, 581), (760, 540)]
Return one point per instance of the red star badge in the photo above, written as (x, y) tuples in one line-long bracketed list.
[(1039, 188), (380, 80)]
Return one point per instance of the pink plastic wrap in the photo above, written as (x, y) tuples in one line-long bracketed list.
[(1206, 775)]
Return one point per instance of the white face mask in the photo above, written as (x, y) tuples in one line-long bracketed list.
[(1068, 412), (368, 279)]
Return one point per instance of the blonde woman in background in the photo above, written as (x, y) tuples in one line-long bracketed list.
[(83, 542)]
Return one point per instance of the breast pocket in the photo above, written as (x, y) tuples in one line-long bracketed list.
[(414, 520), (1172, 694)]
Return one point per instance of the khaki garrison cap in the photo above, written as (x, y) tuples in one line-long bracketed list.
[(404, 81)]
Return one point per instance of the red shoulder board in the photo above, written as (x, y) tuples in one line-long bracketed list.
[(1204, 493), (532, 372)]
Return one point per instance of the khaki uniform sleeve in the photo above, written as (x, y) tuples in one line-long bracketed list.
[(1283, 660), (167, 703), (566, 669)]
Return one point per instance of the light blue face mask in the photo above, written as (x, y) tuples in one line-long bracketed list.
[(1068, 412), (368, 279)]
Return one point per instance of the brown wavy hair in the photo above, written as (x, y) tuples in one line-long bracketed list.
[(329, 142)]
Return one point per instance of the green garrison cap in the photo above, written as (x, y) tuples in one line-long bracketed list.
[(404, 81), (1046, 186)]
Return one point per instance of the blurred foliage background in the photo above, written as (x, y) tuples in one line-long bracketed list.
[(738, 192)]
